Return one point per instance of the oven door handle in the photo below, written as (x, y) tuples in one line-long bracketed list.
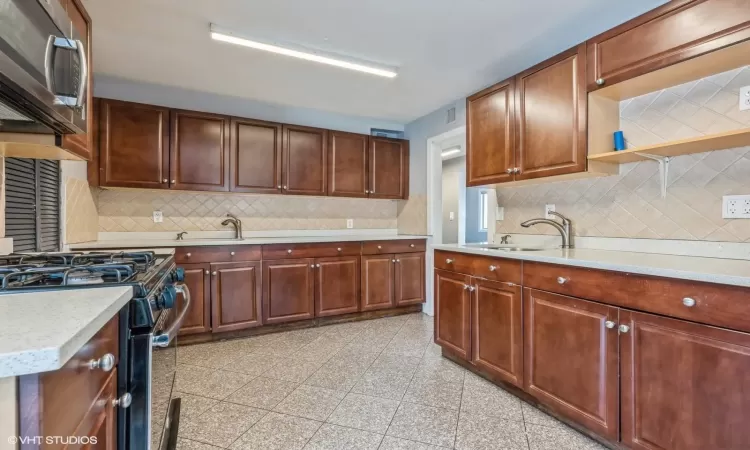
[(165, 338)]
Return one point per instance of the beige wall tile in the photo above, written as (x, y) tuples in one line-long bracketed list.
[(81, 217)]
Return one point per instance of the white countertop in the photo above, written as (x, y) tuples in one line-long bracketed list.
[(41, 331), (144, 243), (711, 270)]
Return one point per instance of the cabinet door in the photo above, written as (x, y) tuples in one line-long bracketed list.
[(82, 144), (389, 168), (490, 133), (377, 282), (288, 290), (571, 358), (100, 421), (255, 159), (684, 385), (496, 329), (336, 285), (347, 164), (134, 147), (675, 32), (235, 296), (551, 117), (198, 319), (200, 151), (453, 312), (305, 160), (409, 278)]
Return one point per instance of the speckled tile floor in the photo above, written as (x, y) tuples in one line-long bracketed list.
[(379, 384)]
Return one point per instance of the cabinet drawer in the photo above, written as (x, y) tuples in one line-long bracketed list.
[(313, 250), (385, 247), (719, 305), (495, 269), (225, 253), (68, 394)]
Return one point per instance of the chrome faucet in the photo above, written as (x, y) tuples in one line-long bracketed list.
[(504, 239), (565, 228), (237, 223), (181, 235)]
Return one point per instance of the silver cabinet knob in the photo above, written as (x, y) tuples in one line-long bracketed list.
[(609, 324), (510, 170), (165, 181), (124, 401), (188, 255), (393, 261), (105, 363), (624, 328), (448, 261), (312, 266), (213, 273), (472, 289), (600, 81), (411, 245), (380, 247), (466, 286), (372, 191), (173, 181), (284, 187), (208, 272), (689, 302), (493, 268), (278, 187), (231, 253), (398, 260), (317, 265), (289, 251), (367, 191), (338, 249), (562, 280)]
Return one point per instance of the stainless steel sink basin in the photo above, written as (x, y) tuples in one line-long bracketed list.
[(510, 247)]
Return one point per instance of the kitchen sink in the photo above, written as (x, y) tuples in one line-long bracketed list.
[(510, 247)]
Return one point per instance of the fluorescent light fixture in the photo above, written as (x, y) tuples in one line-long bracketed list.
[(303, 53), (451, 151)]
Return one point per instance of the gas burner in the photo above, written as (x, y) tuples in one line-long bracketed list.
[(77, 277)]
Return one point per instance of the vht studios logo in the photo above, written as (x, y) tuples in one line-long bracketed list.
[(52, 440)]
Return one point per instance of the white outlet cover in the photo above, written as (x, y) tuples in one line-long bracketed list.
[(500, 213), (451, 215), (745, 98), (349, 223), (735, 207), (547, 209), (158, 217)]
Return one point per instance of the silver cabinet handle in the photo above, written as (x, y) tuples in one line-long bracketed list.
[(312, 266), (393, 261), (165, 181), (289, 251), (510, 170), (689, 302), (231, 253), (278, 187), (624, 328), (284, 187), (472, 289), (609, 324), (105, 363), (188, 255), (398, 260), (449, 261), (600, 81), (208, 272), (466, 286), (174, 181), (367, 191), (338, 249), (562, 280), (411, 245), (317, 265), (124, 401), (213, 273), (493, 268), (380, 247)]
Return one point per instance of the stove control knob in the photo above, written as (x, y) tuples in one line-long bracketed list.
[(178, 274), (167, 297)]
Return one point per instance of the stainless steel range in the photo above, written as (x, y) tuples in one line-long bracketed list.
[(148, 326)]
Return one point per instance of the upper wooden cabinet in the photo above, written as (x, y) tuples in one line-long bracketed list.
[(551, 117), (255, 157), (389, 168), (134, 145), (347, 164), (675, 32), (490, 132), (199, 156), (305, 160)]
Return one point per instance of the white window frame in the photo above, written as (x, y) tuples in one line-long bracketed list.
[(484, 210)]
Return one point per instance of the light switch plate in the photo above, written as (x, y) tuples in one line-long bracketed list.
[(547, 209), (451, 215), (500, 213), (158, 217), (349, 223), (745, 98), (736, 207)]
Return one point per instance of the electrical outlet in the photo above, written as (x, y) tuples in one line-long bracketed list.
[(158, 217), (547, 209), (500, 213), (745, 98), (349, 223), (736, 207), (451, 215)]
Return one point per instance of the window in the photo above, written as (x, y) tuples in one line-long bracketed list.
[(484, 205), (32, 204)]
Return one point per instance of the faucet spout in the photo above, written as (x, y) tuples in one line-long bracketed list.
[(564, 228), (237, 223)]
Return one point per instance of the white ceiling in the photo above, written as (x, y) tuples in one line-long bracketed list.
[(445, 49)]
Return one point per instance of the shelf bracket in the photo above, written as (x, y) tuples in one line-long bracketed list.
[(663, 170)]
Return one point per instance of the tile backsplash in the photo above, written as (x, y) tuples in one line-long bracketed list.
[(81, 224), (131, 210), (630, 205)]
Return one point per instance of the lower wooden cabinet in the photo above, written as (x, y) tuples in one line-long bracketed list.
[(288, 290), (684, 385), (198, 319), (336, 285), (235, 296), (392, 280), (571, 358), (409, 279), (453, 312), (497, 329), (101, 420)]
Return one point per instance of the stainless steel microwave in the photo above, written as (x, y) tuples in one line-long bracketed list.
[(43, 69)]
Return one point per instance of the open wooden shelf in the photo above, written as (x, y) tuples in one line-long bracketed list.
[(721, 141)]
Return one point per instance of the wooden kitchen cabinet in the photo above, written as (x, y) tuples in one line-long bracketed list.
[(678, 31), (347, 164), (497, 329), (571, 358), (199, 155), (551, 117), (409, 279), (453, 313), (377, 282), (255, 158), (389, 168), (134, 145), (198, 319), (305, 160), (684, 385), (288, 290), (101, 419), (235, 296), (336, 285), (490, 135)]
